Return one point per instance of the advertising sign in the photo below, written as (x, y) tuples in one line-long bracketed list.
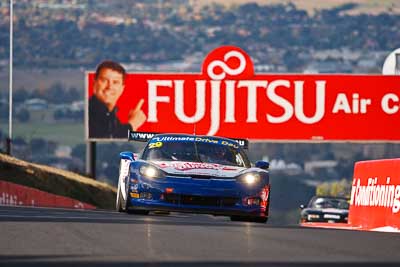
[(375, 195), (227, 98)]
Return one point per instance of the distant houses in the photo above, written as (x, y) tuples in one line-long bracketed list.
[(36, 104)]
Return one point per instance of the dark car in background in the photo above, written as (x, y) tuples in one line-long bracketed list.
[(325, 209)]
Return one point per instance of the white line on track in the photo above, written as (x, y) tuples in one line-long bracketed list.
[(66, 217)]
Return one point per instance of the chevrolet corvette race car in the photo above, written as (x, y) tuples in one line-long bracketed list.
[(197, 174)]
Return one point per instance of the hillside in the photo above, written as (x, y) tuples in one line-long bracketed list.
[(372, 7), (57, 181)]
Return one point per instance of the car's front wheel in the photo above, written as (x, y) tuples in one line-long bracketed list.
[(120, 204), (123, 205), (138, 212)]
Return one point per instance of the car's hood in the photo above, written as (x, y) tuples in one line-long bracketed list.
[(198, 168)]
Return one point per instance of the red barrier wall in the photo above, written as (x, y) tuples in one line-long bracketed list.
[(17, 195), (375, 195)]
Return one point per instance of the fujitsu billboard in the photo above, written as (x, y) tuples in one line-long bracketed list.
[(227, 98)]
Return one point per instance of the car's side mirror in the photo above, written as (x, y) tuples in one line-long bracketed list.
[(262, 165), (302, 206), (128, 155)]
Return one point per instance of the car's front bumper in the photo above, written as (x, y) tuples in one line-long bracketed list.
[(219, 197), (339, 218)]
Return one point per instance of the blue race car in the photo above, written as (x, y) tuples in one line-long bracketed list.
[(196, 174)]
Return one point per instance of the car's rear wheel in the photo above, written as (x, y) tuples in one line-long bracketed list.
[(236, 218), (260, 219)]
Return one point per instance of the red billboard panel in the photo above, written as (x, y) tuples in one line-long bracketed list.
[(375, 195), (18, 195), (228, 99)]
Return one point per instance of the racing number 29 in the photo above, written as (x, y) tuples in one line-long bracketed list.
[(155, 145)]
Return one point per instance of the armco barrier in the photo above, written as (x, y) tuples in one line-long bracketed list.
[(18, 195), (375, 198), (375, 195)]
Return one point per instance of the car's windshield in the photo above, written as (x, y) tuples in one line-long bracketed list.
[(203, 150), (323, 203)]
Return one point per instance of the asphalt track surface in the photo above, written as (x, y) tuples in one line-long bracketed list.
[(57, 237)]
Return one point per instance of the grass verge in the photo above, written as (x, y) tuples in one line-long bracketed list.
[(57, 181)]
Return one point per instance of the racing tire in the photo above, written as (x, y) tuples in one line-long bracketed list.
[(118, 204), (125, 206), (121, 205), (260, 219), (236, 218), (138, 212), (131, 209)]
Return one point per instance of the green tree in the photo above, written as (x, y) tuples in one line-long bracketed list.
[(340, 188), (23, 115)]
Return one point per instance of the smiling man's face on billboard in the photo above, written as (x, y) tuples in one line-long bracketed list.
[(108, 87)]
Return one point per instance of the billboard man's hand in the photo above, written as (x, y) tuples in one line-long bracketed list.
[(136, 116)]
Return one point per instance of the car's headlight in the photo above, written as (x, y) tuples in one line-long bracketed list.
[(151, 171), (250, 178), (312, 216)]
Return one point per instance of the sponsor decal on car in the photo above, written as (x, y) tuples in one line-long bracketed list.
[(146, 136), (157, 141), (183, 166)]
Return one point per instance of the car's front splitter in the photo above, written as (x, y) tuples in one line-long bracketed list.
[(159, 205)]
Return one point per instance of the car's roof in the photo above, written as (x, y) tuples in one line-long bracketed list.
[(327, 197)]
